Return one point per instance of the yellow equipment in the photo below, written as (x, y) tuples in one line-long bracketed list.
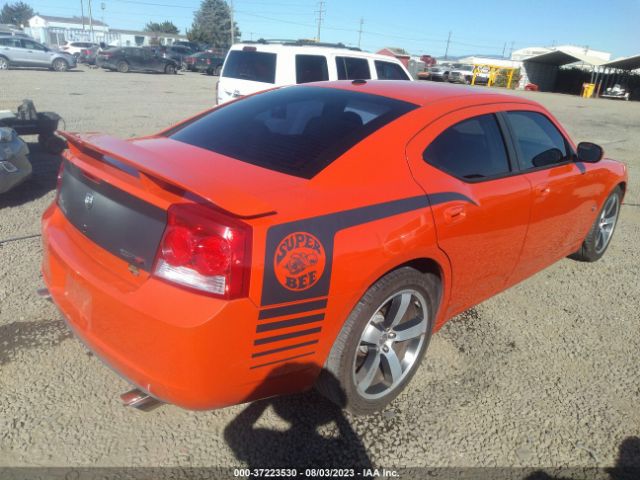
[(493, 71)]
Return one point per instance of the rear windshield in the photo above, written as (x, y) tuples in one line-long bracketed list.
[(254, 66), (294, 130)]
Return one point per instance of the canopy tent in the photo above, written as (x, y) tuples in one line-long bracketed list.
[(561, 57), (627, 63)]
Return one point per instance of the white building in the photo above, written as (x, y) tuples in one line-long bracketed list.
[(55, 31), (134, 38)]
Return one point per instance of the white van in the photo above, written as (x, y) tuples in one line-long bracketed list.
[(254, 66)]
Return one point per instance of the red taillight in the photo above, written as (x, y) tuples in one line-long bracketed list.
[(85, 52), (208, 61), (205, 250)]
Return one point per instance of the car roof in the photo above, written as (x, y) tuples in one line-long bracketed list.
[(421, 93), (310, 49)]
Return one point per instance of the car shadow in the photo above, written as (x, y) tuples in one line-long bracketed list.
[(318, 434), (627, 465), (18, 336), (42, 180)]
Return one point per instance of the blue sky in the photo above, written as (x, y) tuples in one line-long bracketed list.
[(419, 26)]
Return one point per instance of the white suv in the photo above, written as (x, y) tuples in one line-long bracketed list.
[(254, 66), (75, 48)]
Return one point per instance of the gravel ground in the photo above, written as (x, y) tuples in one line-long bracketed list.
[(543, 375)]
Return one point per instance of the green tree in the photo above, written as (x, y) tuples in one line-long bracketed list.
[(164, 27), (17, 13), (212, 24)]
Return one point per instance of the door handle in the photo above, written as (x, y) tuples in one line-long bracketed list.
[(543, 190), (455, 214)]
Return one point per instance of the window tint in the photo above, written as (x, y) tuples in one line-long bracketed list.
[(472, 149), (311, 68), (255, 66), (350, 68), (539, 141), (9, 42), (31, 45), (294, 130), (390, 71)]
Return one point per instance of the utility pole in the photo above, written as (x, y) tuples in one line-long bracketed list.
[(446, 52), (511, 49), (82, 13), (90, 22), (320, 13), (233, 25), (504, 49), (360, 31)]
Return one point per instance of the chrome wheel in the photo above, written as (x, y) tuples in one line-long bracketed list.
[(607, 222), (390, 343), (4, 64)]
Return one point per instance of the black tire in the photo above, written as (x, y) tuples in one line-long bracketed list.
[(122, 66), (337, 380), (60, 65), (591, 250), (169, 69), (4, 63)]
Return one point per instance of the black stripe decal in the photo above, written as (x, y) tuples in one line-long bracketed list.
[(282, 360), (285, 336), (291, 309), (444, 197), (324, 228), (266, 327), (282, 349)]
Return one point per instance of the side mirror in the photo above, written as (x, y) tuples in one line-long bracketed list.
[(589, 152)]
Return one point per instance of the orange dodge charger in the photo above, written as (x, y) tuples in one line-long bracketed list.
[(313, 235)]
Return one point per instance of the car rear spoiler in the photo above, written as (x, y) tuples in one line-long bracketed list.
[(134, 160)]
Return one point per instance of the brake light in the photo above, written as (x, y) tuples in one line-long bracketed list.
[(205, 250)]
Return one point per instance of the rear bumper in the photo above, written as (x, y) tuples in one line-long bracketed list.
[(180, 347)]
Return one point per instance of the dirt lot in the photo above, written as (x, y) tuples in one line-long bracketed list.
[(545, 374)]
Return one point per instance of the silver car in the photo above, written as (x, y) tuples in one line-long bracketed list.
[(17, 51)]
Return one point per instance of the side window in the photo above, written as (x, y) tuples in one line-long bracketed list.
[(390, 71), (31, 45), (472, 149), (539, 142), (311, 68), (350, 68), (9, 42)]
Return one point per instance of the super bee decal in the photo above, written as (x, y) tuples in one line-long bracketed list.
[(299, 261), (297, 274), (299, 254)]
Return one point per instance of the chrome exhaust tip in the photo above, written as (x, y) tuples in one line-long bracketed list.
[(43, 293), (139, 400)]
